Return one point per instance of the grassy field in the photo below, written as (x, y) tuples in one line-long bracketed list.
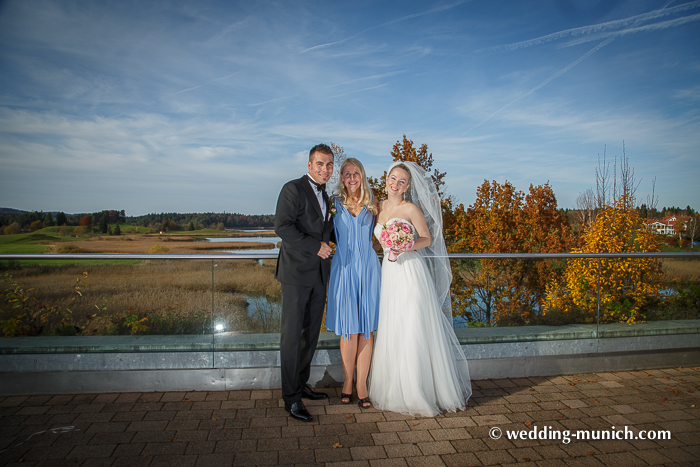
[(683, 271), (50, 240), (37, 242), (175, 296)]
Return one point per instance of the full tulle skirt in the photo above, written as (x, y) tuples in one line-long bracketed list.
[(418, 366)]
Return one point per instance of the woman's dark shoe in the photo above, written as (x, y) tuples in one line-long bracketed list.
[(345, 398), (364, 403)]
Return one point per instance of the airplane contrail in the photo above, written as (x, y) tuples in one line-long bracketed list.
[(358, 90), (201, 85), (272, 100), (545, 82), (649, 27), (366, 78), (393, 21), (178, 92), (632, 20)]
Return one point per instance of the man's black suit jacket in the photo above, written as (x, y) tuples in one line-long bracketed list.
[(299, 222)]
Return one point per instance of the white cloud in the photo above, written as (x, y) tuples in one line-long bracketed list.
[(691, 94), (182, 107)]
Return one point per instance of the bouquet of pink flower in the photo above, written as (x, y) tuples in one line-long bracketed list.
[(396, 235)]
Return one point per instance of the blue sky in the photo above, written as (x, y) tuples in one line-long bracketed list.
[(163, 106)]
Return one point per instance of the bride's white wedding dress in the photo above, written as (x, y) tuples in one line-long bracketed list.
[(418, 366)]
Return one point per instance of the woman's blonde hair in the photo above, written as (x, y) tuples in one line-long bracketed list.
[(365, 191)]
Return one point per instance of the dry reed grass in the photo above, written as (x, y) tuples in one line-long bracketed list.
[(682, 271), (141, 244), (176, 289)]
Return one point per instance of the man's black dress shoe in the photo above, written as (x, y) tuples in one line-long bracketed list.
[(298, 411), (308, 393)]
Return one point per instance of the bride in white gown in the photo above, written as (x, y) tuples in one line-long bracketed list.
[(418, 366)]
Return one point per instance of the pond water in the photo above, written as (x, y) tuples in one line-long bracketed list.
[(267, 313), (247, 230), (272, 240)]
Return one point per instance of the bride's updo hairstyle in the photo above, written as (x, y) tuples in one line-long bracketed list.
[(365, 191)]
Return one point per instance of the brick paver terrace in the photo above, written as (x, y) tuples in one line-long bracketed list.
[(243, 428)]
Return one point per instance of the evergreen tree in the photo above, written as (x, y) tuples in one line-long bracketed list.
[(48, 221), (643, 211)]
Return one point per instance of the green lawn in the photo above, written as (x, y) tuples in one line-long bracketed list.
[(678, 249), (34, 243), (29, 242)]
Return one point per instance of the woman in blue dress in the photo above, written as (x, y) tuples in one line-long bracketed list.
[(353, 291)]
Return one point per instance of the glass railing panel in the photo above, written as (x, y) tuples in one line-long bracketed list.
[(507, 292), (232, 302), (110, 298), (246, 302), (520, 296), (680, 290), (642, 296)]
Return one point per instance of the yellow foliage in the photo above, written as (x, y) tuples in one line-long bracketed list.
[(626, 284), (12, 229), (158, 250), (137, 325)]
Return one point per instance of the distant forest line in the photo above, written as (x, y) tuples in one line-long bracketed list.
[(208, 220), (171, 220)]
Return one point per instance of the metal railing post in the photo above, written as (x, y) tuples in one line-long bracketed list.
[(213, 325), (597, 318)]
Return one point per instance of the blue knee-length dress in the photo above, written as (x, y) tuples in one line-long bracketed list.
[(353, 289)]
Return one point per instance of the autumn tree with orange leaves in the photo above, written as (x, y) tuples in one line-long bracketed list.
[(404, 151), (505, 220)]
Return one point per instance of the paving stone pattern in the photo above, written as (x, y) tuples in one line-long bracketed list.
[(242, 428)]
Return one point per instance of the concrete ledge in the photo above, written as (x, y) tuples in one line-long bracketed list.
[(523, 367), (256, 342), (173, 363), (576, 331), (106, 344), (327, 358), (84, 382), (324, 375)]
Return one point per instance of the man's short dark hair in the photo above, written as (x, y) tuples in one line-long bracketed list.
[(322, 148)]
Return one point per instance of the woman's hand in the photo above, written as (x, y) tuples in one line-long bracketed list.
[(397, 252)]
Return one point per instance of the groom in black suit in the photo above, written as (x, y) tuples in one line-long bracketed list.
[(303, 222)]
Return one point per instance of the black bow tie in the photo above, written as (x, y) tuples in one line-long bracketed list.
[(320, 187)]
